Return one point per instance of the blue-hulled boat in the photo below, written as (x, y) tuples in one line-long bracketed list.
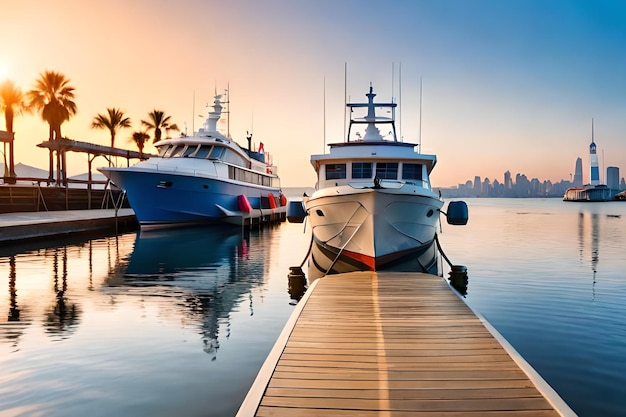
[(204, 178)]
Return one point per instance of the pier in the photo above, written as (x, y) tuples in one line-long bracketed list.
[(18, 227), (394, 344)]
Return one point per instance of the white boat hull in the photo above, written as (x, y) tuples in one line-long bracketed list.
[(372, 228)]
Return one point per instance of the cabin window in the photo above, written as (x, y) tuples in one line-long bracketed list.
[(335, 171), (162, 150), (177, 152), (387, 170), (217, 152), (233, 158), (190, 151), (169, 151), (203, 152), (362, 170), (412, 172)]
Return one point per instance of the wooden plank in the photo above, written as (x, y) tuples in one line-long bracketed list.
[(430, 394), (448, 404), (394, 344), (317, 412)]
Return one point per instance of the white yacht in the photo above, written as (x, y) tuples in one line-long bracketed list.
[(204, 178), (374, 207)]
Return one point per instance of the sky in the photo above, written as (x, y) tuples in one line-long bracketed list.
[(505, 85)]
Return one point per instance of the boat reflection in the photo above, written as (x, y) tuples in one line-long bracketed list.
[(205, 272)]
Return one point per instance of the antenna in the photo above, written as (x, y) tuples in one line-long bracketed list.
[(392, 74), (345, 97), (324, 108), (228, 109), (592, 129), (193, 114), (252, 122), (400, 100), (420, 131)]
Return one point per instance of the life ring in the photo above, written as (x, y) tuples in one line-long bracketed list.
[(283, 200)]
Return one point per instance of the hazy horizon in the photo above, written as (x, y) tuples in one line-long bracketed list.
[(506, 85)]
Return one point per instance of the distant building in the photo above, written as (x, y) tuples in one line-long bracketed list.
[(612, 177), (578, 173), (594, 178), (508, 182), (477, 185)]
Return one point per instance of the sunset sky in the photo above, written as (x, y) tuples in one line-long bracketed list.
[(507, 85)]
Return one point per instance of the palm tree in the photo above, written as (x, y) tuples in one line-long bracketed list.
[(158, 121), (114, 120), (54, 97), (140, 139), (12, 102)]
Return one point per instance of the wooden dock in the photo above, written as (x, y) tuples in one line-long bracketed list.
[(19, 227), (397, 345)]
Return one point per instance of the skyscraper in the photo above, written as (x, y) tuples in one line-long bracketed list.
[(578, 173), (477, 185), (612, 177), (508, 182), (594, 178)]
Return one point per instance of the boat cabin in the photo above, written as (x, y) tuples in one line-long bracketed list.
[(254, 170), (361, 164)]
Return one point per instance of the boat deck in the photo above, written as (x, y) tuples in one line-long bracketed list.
[(394, 344)]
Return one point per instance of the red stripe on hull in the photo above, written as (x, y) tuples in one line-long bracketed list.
[(375, 263)]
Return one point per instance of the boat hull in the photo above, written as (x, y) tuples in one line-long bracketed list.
[(161, 199), (374, 229)]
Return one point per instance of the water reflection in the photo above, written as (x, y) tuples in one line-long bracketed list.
[(594, 219), (14, 311), (62, 317), (203, 272)]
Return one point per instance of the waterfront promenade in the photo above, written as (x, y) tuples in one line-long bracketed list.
[(394, 344)]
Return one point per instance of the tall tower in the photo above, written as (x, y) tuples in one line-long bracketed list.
[(594, 178), (477, 185), (578, 173), (508, 183)]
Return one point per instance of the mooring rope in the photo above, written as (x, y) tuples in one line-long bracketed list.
[(441, 250)]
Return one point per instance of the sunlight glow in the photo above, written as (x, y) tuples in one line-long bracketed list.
[(4, 71)]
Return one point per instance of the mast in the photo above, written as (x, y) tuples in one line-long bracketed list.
[(419, 139), (193, 114), (227, 102), (400, 101), (324, 109), (392, 78), (345, 100)]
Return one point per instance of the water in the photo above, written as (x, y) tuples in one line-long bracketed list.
[(179, 322)]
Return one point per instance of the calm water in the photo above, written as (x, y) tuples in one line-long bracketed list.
[(179, 322)]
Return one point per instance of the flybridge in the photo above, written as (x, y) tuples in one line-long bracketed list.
[(372, 133)]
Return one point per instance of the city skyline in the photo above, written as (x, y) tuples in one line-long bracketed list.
[(524, 187), (485, 85)]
